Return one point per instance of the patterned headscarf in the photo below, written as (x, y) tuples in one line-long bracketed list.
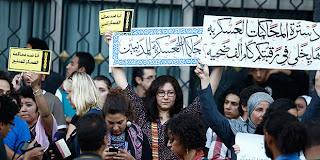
[(135, 135)]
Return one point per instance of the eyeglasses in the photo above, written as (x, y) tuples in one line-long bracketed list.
[(149, 78), (163, 93), (12, 125)]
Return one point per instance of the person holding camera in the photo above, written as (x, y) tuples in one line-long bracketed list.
[(125, 138), (35, 111), (7, 112)]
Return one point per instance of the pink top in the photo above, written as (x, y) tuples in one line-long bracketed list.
[(41, 136)]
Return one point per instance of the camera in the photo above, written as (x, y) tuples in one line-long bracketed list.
[(25, 145)]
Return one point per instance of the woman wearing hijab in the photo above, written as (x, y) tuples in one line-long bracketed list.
[(226, 129)]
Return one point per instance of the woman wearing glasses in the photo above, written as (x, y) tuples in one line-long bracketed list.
[(164, 99)]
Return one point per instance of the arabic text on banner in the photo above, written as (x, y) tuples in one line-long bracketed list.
[(174, 46), (261, 43), (24, 59), (118, 20)]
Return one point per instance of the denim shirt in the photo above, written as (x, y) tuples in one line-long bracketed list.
[(215, 120), (313, 109)]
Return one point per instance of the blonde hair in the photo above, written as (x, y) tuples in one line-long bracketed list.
[(84, 93)]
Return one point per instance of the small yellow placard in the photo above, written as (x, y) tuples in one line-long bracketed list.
[(23, 60), (118, 20)]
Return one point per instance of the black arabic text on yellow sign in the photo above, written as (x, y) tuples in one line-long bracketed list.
[(118, 20), (24, 60)]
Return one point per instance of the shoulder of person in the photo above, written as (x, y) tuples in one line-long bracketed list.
[(94, 109)]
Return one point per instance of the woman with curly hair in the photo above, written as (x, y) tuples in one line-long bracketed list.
[(186, 137)]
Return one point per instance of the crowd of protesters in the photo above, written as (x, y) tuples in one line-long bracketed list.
[(148, 120)]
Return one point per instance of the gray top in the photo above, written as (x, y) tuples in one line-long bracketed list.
[(56, 108)]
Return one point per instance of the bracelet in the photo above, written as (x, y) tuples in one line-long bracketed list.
[(35, 93)]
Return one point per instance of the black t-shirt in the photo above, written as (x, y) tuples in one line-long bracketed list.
[(75, 119)]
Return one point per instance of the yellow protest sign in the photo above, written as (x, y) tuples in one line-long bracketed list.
[(118, 20), (24, 59)]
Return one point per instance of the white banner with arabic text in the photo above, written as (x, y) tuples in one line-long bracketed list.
[(261, 43)]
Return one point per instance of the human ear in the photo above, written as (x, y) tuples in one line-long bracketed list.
[(244, 108), (1, 125), (82, 69), (268, 138), (138, 80), (105, 140)]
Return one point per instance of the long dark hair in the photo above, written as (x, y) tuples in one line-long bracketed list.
[(152, 111)]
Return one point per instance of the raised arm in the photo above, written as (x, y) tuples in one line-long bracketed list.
[(118, 73), (203, 73), (16, 81), (275, 71), (215, 78), (317, 82), (120, 77), (108, 36), (214, 119), (313, 109), (43, 107)]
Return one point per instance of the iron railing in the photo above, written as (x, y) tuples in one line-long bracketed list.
[(72, 25)]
